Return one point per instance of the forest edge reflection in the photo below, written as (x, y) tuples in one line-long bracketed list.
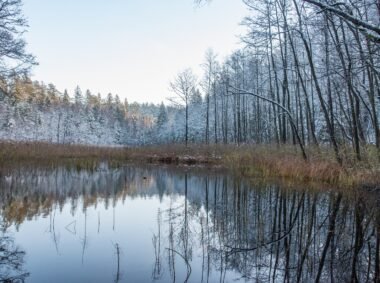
[(263, 232)]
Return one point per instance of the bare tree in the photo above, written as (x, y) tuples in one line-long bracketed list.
[(208, 84), (183, 86)]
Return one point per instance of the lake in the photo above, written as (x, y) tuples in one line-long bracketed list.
[(168, 224)]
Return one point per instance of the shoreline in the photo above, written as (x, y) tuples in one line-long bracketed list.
[(266, 161)]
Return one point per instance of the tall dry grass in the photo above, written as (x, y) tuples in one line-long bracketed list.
[(40, 153), (283, 161), (249, 160)]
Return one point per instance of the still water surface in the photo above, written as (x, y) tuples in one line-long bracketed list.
[(157, 224)]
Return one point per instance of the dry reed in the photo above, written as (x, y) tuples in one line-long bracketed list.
[(248, 160)]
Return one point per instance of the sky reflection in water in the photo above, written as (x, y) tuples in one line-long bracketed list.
[(145, 224)]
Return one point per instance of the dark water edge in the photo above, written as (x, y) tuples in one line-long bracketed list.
[(167, 224)]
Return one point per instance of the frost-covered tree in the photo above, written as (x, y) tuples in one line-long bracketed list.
[(66, 97), (78, 97), (208, 84), (183, 86), (162, 116), (109, 99), (13, 55)]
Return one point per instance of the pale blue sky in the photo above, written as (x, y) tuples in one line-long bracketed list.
[(128, 47)]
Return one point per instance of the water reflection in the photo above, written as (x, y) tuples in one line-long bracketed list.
[(139, 224), (11, 260)]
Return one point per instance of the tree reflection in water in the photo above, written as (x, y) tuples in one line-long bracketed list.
[(215, 224), (272, 234), (11, 259)]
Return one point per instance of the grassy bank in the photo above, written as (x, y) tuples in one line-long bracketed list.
[(47, 154), (272, 161), (265, 161)]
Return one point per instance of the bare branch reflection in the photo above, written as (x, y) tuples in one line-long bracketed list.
[(207, 227)]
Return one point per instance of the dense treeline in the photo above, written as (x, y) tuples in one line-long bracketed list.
[(308, 76), (34, 111)]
